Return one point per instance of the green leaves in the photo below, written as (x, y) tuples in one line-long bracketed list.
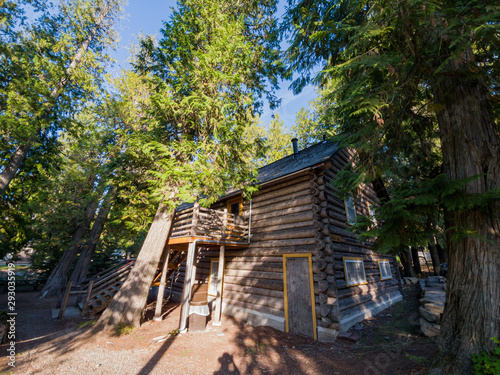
[(206, 76)]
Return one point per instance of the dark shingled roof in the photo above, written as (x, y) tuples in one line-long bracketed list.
[(315, 154), (318, 153)]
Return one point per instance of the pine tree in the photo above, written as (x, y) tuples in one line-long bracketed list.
[(403, 73)]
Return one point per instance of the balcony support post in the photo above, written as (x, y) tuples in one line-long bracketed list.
[(220, 275)]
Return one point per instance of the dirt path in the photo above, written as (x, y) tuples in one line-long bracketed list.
[(389, 344)]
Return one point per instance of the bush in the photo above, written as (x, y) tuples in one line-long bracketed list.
[(487, 363)]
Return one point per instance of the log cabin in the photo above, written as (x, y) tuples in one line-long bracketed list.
[(285, 258)]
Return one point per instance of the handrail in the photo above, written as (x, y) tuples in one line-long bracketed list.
[(208, 223)]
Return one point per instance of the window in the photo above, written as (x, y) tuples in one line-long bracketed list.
[(385, 269), (235, 206), (213, 279), (354, 270), (371, 212), (350, 210)]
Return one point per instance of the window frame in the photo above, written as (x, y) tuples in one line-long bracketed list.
[(350, 198), (371, 212), (232, 201), (386, 261), (354, 259)]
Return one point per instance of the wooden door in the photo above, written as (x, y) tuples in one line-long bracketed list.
[(299, 302)]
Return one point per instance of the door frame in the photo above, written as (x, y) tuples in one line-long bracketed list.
[(313, 304)]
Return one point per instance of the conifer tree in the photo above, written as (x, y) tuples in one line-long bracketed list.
[(410, 77), (207, 73)]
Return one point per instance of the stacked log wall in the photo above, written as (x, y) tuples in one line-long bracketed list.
[(345, 244), (301, 215), (284, 221)]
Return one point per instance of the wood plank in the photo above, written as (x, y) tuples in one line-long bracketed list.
[(259, 300), (284, 212), (300, 319), (65, 300)]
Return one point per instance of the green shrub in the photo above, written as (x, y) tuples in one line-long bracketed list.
[(123, 329), (488, 363)]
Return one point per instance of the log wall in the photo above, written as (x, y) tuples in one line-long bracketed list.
[(300, 215), (344, 244), (283, 222)]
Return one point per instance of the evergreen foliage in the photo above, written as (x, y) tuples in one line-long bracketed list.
[(208, 73), (406, 83)]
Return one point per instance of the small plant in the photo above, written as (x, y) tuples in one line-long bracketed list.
[(173, 333), (415, 358), (123, 329), (90, 323), (257, 348), (488, 363)]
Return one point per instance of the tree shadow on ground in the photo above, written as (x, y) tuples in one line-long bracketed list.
[(148, 367)]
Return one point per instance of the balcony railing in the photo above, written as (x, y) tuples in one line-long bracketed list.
[(211, 224)]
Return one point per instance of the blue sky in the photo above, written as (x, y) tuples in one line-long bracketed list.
[(147, 16)]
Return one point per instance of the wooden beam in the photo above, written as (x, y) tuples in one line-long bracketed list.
[(64, 301), (186, 293), (220, 276), (87, 298), (161, 289)]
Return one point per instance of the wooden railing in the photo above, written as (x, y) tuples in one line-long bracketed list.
[(211, 224), (98, 290)]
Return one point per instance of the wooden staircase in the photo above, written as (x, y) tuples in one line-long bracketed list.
[(96, 292), (100, 290)]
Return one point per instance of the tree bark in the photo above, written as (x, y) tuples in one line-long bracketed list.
[(471, 147), (416, 260), (83, 263), (443, 257), (407, 266), (436, 262), (14, 164), (128, 304), (58, 276)]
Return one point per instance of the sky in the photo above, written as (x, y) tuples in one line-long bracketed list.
[(147, 16)]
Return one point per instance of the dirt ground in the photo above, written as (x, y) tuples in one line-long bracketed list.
[(390, 343)]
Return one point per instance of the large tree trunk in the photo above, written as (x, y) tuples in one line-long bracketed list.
[(58, 277), (443, 257), (416, 260), (436, 261), (128, 304), (83, 263), (408, 269), (14, 164), (471, 147), (20, 154)]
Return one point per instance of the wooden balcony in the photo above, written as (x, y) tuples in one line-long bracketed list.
[(206, 225)]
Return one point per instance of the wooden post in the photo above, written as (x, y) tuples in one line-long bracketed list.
[(220, 275), (186, 293), (194, 222), (161, 289), (87, 298), (65, 300), (218, 301)]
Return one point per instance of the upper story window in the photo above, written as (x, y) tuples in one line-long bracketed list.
[(235, 206), (350, 210), (371, 212)]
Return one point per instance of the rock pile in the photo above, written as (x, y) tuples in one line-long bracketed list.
[(433, 299)]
